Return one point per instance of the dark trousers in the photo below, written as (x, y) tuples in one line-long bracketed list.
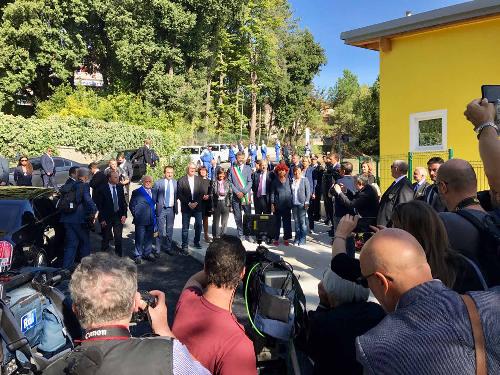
[(299, 216), (165, 229), (112, 231), (221, 213), (310, 214), (49, 181), (77, 238), (328, 207), (143, 240), (286, 217), (262, 205), (316, 207), (186, 218), (238, 210)]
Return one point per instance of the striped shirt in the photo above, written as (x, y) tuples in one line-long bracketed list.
[(430, 333)]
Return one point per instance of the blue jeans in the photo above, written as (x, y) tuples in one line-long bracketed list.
[(77, 238), (186, 218), (286, 217), (143, 240), (166, 229), (299, 216)]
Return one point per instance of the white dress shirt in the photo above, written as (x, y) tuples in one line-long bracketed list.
[(399, 179), (295, 191), (191, 185)]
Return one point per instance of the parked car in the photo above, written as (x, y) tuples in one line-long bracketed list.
[(138, 169), (194, 153), (30, 232), (220, 151), (62, 169)]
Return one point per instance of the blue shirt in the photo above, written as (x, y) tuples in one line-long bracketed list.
[(430, 333)]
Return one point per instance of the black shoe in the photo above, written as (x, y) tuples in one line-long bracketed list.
[(149, 257), (197, 246), (156, 254), (138, 260), (171, 252), (183, 252)]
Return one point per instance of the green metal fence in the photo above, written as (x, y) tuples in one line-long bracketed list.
[(416, 159)]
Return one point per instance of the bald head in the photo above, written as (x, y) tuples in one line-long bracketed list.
[(459, 176), (397, 263)]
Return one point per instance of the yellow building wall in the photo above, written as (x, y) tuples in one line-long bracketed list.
[(435, 70)]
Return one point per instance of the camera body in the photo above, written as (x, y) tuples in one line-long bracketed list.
[(142, 315), (261, 227)]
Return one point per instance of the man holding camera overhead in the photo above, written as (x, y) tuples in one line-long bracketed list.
[(104, 293)]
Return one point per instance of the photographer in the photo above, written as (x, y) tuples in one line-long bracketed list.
[(104, 293)]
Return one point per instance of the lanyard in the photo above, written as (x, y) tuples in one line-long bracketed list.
[(106, 333)]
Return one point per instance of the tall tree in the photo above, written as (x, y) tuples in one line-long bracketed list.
[(41, 44)]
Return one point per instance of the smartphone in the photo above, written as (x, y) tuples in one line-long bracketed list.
[(491, 92), (364, 224)]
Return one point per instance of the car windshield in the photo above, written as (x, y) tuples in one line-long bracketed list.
[(13, 212), (215, 147), (190, 150)]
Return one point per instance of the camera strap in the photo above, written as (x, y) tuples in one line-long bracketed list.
[(116, 332)]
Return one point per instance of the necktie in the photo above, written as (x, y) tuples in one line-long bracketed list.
[(259, 189), (416, 187), (167, 194), (115, 200), (149, 193)]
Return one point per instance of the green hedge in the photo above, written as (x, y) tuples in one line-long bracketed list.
[(32, 136)]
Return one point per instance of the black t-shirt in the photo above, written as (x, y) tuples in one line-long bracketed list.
[(332, 336)]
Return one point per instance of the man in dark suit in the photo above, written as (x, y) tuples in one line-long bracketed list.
[(77, 235), (419, 175), (400, 191), (142, 207), (261, 187), (240, 178), (48, 171), (190, 193), (110, 200), (347, 185), (330, 176), (145, 155), (98, 177), (128, 172), (165, 195)]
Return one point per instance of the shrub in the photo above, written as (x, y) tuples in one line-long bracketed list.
[(19, 135)]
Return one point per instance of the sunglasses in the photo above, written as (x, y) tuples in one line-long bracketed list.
[(363, 280)]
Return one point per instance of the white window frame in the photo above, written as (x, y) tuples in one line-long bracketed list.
[(415, 118)]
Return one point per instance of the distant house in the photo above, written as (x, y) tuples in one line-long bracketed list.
[(431, 65)]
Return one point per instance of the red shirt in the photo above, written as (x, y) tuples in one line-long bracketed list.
[(213, 335)]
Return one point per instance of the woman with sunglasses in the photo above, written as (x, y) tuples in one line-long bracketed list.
[(23, 172)]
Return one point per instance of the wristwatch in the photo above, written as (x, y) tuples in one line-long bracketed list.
[(481, 127)]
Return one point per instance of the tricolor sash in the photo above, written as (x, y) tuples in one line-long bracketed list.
[(151, 204), (246, 199)]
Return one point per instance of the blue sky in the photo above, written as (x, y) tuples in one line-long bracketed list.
[(326, 19)]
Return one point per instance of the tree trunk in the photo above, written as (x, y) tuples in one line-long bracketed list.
[(208, 102), (267, 119), (170, 69), (253, 118), (260, 125)]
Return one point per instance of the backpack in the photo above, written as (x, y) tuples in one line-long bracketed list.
[(69, 201), (489, 230)]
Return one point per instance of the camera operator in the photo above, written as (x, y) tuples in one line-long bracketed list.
[(104, 293)]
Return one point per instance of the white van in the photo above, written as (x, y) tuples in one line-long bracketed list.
[(194, 153), (220, 151)]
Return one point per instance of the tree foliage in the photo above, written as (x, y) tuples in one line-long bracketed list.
[(211, 64)]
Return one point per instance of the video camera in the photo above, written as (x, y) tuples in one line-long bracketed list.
[(260, 227)]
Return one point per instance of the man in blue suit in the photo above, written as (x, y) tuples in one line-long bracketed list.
[(240, 178), (48, 169), (142, 207), (165, 197), (77, 235)]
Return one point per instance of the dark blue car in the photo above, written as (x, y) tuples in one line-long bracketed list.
[(30, 233)]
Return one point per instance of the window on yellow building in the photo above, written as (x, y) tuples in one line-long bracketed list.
[(428, 131)]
